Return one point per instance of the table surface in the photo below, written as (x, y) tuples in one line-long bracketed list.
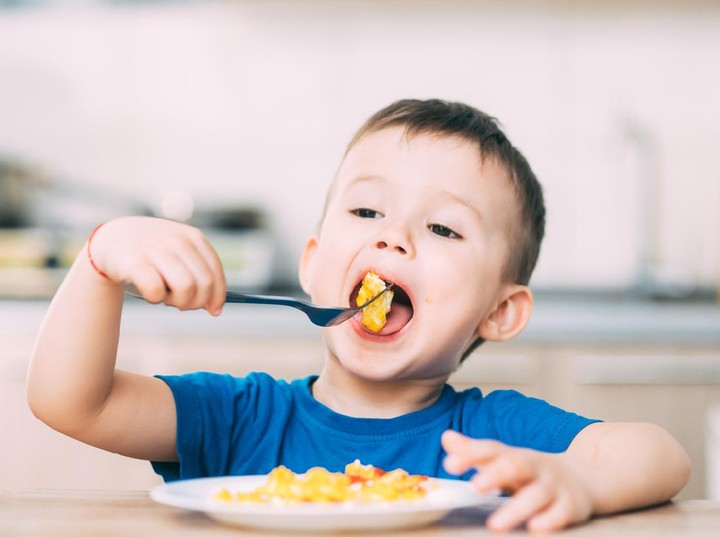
[(78, 513)]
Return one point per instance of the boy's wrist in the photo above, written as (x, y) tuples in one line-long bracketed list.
[(588, 474), (90, 258)]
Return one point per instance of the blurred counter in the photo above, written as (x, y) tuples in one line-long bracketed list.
[(555, 320)]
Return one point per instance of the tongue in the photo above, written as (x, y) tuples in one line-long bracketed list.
[(397, 318)]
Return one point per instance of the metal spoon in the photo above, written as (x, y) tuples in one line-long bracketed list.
[(318, 315)]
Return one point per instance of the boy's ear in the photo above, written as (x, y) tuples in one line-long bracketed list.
[(510, 315), (306, 260)]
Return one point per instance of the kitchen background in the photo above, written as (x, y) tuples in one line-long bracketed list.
[(233, 115)]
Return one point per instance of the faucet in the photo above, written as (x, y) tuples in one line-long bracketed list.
[(644, 144), (653, 279)]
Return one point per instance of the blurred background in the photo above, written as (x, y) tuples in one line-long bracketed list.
[(233, 115)]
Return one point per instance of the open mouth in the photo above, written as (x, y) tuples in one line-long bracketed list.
[(401, 310)]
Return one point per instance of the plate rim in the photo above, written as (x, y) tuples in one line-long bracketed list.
[(165, 493)]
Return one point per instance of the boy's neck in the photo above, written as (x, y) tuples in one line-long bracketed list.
[(360, 398)]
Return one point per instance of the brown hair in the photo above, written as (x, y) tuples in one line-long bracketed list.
[(445, 118)]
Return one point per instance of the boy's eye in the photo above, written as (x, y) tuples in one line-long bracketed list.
[(366, 213), (443, 231)]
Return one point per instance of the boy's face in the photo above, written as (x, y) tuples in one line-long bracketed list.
[(425, 214)]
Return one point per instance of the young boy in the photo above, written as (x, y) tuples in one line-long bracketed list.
[(430, 196)]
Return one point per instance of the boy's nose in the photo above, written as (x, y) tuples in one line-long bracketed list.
[(381, 245), (395, 240)]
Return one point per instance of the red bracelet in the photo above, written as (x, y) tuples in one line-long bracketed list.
[(89, 254)]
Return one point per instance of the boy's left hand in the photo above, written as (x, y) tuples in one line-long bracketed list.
[(545, 492)]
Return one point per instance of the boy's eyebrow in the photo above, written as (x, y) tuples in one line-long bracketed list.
[(366, 178), (462, 201), (337, 189)]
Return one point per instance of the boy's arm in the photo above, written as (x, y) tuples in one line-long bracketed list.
[(72, 383), (609, 467), (628, 465)]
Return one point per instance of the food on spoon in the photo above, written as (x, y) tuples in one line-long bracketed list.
[(374, 316), (358, 483)]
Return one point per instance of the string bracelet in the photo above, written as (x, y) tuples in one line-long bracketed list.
[(89, 253)]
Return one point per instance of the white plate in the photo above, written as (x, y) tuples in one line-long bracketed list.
[(196, 495)]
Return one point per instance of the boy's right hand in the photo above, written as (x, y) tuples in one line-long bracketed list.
[(167, 261)]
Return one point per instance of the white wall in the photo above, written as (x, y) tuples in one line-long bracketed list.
[(255, 101)]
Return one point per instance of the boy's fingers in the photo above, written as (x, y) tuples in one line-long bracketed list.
[(456, 443), (203, 278), (452, 440), (508, 471), (566, 510), (521, 507), (556, 516), (209, 254), (464, 453), (178, 278), (149, 283)]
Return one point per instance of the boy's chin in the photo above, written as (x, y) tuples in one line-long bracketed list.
[(394, 378), (374, 368)]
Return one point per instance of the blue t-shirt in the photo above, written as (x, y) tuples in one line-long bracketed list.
[(249, 425)]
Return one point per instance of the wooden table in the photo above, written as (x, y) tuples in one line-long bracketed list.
[(60, 513)]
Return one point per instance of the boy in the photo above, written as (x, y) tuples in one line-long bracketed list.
[(432, 197)]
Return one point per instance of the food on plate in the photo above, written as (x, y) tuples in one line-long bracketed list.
[(358, 483), (374, 316)]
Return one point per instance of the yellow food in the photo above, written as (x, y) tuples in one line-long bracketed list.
[(358, 483), (375, 315)]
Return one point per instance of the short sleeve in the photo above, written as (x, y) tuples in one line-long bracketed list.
[(206, 406), (522, 421)]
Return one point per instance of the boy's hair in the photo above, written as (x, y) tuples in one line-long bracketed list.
[(443, 118)]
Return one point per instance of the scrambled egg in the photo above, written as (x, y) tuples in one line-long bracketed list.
[(375, 315), (359, 482)]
